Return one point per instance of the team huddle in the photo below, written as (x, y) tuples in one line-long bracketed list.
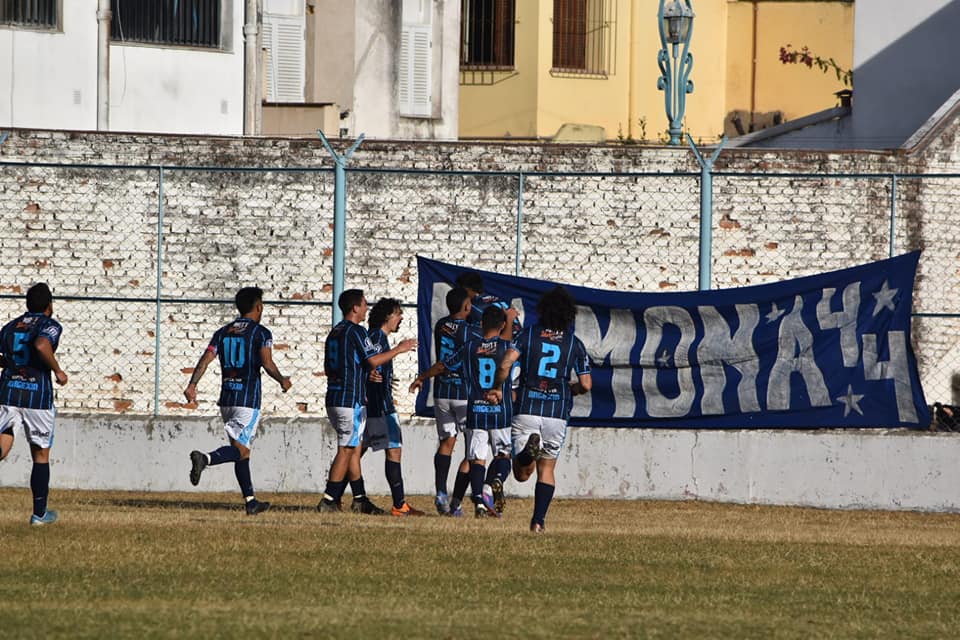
[(508, 389)]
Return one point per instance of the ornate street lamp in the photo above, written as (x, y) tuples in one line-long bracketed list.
[(676, 26)]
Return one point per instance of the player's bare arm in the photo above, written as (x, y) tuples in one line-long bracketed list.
[(583, 385), (433, 371), (190, 393), (266, 357), (382, 358), (511, 314), (45, 349)]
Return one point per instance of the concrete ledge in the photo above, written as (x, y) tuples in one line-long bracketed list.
[(869, 469)]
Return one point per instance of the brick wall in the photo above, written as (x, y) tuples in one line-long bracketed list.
[(93, 231)]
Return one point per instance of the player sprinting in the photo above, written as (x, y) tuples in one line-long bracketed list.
[(243, 347), (349, 355), (488, 422), (547, 352), (383, 426), (450, 397), (27, 346)]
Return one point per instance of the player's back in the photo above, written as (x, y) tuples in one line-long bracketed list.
[(480, 303), (546, 359), (26, 380), (449, 336), (344, 353), (480, 359), (238, 345)]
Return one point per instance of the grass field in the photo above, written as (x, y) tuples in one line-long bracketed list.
[(193, 565)]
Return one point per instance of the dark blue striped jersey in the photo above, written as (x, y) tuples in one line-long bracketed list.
[(237, 345), (546, 360), (345, 353), (26, 381), (477, 362), (449, 336), (380, 394), (481, 302)]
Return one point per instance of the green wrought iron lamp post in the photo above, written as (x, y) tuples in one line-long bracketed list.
[(676, 27)]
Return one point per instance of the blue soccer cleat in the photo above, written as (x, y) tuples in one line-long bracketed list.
[(442, 502), (47, 518)]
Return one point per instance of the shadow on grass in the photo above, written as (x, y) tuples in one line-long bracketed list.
[(200, 505)]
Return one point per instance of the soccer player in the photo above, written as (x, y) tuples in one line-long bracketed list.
[(383, 426), (449, 397), (473, 283), (547, 352), (27, 346), (487, 422), (349, 355), (243, 346)]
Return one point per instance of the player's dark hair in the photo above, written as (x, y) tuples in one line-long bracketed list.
[(247, 298), (556, 309), (493, 318), (455, 299), (470, 280), (349, 299), (39, 298), (380, 311)]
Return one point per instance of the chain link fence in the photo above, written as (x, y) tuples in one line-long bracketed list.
[(144, 261)]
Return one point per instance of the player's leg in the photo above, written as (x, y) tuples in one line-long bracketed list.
[(554, 432), (347, 424), (499, 467), (6, 431), (38, 429), (393, 471), (478, 450), (525, 434), (447, 437), (232, 426), (241, 430)]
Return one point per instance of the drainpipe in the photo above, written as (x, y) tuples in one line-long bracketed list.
[(251, 80), (104, 18), (632, 90)]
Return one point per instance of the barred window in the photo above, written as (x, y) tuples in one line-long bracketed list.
[(583, 36), (30, 13), (487, 33), (191, 23)]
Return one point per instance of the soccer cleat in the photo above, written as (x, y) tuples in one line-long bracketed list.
[(499, 500), (256, 506), (329, 506), (486, 498), (480, 511), (367, 508), (199, 463), (456, 510), (532, 448), (49, 517), (536, 527), (406, 510), (443, 504)]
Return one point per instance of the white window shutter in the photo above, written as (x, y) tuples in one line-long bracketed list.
[(284, 41), (414, 77)]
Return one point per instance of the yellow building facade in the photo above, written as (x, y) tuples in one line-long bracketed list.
[(594, 63)]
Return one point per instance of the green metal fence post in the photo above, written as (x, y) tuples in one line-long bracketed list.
[(339, 217), (706, 210), (156, 355)]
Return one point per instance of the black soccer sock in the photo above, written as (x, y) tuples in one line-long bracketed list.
[(335, 490), (542, 495), (441, 466), (227, 453), (460, 485), (395, 479), (501, 468), (40, 486), (242, 471), (524, 458), (357, 488), (476, 481)]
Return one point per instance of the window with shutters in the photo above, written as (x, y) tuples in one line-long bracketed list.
[(189, 23), (584, 32), (284, 51), (487, 33), (37, 14), (414, 75)]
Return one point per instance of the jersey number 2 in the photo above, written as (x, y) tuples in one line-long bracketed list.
[(551, 356)]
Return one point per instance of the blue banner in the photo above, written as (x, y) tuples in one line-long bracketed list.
[(823, 351)]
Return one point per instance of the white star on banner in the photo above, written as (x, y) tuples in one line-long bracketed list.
[(851, 401), (664, 359), (884, 298), (775, 313)]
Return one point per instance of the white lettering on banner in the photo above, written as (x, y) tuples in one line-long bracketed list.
[(517, 303), (659, 405), (845, 320), (718, 348), (896, 369), (438, 309), (795, 355), (617, 344)]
